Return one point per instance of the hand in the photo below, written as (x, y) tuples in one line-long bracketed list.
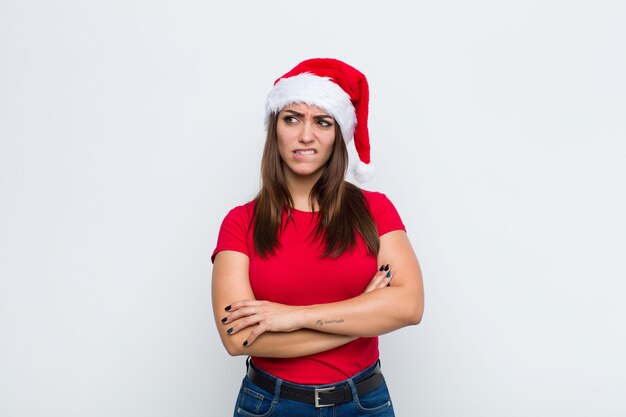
[(269, 317), (382, 279)]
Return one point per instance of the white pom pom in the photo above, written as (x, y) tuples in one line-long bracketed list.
[(363, 172)]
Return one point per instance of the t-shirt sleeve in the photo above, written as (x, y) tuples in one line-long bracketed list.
[(384, 213), (233, 233)]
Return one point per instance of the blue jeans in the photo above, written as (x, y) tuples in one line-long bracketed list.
[(253, 401)]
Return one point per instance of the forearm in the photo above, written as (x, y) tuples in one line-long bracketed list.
[(367, 315), (375, 312), (284, 345)]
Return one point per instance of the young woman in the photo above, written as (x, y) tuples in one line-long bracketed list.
[(309, 273)]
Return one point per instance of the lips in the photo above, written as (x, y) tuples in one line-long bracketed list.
[(303, 152)]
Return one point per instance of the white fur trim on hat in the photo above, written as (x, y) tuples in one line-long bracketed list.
[(315, 91), (363, 172)]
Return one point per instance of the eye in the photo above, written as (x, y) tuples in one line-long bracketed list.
[(290, 119), (324, 123)]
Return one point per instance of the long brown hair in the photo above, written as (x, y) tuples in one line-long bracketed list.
[(343, 209)]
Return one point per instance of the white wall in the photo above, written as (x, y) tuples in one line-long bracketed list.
[(129, 128)]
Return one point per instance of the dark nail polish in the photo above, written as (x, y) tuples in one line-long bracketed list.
[(386, 268), (245, 343), (227, 308), (224, 320), (381, 268), (229, 331), (389, 274), (389, 284)]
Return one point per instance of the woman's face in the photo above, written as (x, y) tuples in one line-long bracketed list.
[(306, 135)]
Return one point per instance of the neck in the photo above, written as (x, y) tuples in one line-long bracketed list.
[(300, 189)]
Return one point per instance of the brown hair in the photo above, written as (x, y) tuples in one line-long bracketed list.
[(343, 209)]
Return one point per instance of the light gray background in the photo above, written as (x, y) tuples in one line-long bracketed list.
[(129, 128)]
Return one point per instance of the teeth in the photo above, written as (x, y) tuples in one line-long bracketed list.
[(308, 152)]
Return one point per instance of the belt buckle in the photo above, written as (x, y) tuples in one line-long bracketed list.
[(317, 397)]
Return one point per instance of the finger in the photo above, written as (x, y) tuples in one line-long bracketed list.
[(380, 276), (256, 332), (381, 280), (373, 284), (387, 280), (245, 322), (384, 281), (377, 280), (242, 304), (243, 312), (379, 273)]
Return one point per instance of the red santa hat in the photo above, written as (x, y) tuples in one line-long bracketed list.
[(335, 87)]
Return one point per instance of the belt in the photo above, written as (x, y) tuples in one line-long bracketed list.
[(320, 397)]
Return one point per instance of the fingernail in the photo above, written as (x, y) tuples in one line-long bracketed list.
[(389, 274), (229, 331), (386, 267), (224, 319), (381, 268), (389, 284), (227, 308), (245, 343)]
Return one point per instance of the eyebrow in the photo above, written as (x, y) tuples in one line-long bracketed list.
[(319, 116)]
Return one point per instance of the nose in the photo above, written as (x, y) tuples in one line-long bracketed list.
[(307, 134)]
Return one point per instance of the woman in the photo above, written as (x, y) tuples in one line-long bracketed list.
[(302, 275)]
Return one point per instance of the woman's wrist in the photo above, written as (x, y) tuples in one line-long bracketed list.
[(305, 317)]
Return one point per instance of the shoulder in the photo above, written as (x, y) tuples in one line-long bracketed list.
[(244, 211), (383, 212), (235, 229), (376, 199), (239, 219)]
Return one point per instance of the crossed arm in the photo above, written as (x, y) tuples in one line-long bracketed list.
[(261, 328)]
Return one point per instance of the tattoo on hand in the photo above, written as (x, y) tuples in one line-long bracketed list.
[(322, 322)]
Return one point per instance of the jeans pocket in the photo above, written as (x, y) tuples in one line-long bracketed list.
[(375, 401), (253, 402)]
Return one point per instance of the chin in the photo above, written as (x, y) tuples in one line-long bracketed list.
[(303, 173), (306, 173)]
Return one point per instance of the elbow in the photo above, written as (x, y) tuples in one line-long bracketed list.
[(416, 309), (415, 319), (415, 316), (233, 349), (233, 343)]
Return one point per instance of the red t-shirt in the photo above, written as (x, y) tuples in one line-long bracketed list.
[(297, 275)]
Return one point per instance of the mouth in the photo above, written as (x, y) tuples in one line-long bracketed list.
[(303, 152)]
